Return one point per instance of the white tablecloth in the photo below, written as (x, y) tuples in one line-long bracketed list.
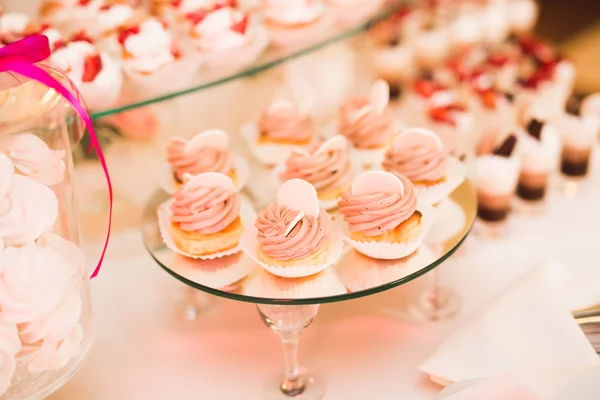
[(144, 351)]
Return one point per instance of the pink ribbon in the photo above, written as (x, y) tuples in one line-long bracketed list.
[(21, 57)]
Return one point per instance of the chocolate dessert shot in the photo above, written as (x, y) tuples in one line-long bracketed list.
[(496, 180), (579, 134), (539, 148)]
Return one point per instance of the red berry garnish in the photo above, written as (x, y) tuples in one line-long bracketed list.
[(489, 99), (59, 44), (176, 3), (175, 51), (91, 67), (124, 33), (81, 36), (241, 26), (536, 48), (424, 87), (84, 2), (498, 60), (43, 27), (442, 115), (196, 17)]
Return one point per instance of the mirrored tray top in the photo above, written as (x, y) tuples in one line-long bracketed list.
[(239, 278)]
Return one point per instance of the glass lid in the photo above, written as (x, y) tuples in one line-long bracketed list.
[(238, 277)]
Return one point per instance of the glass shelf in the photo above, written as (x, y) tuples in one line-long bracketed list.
[(268, 60), (238, 278)]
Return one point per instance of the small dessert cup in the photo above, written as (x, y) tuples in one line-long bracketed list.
[(496, 182), (578, 139), (395, 63)]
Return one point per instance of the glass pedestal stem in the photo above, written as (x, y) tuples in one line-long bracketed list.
[(287, 321)]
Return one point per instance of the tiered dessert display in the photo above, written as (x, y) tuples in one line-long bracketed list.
[(46, 324)]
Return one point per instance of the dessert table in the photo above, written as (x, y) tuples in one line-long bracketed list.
[(144, 350)]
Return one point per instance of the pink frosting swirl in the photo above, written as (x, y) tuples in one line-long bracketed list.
[(205, 210), (364, 129), (205, 159), (29, 210), (374, 214), (32, 282), (324, 171), (32, 156), (10, 345), (285, 123), (308, 236), (421, 160)]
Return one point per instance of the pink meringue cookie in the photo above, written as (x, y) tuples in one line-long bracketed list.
[(32, 156), (31, 210), (32, 282), (47, 355), (56, 326), (10, 345)]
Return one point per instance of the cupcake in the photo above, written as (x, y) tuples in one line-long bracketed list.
[(205, 219), (367, 124), (496, 177), (207, 151), (539, 148), (96, 74), (226, 38), (70, 16), (151, 58), (418, 154), (293, 237), (327, 167), (281, 127), (381, 213), (294, 23)]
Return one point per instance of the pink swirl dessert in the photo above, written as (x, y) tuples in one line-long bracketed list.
[(305, 244), (382, 216), (283, 123), (218, 30), (329, 172), (363, 126), (205, 216), (419, 157), (32, 157), (10, 345), (202, 159)]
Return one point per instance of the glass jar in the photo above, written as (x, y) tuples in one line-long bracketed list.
[(46, 325)]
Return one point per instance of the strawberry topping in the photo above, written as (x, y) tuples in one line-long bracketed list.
[(241, 25), (489, 98), (426, 87), (83, 3), (124, 33), (81, 36), (197, 16), (91, 67)]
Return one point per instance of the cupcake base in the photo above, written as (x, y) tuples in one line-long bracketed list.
[(249, 243), (198, 244), (388, 250), (433, 194), (178, 243)]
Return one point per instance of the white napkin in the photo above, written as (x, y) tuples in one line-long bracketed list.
[(524, 330), (502, 387)]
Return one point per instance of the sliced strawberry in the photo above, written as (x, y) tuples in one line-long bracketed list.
[(196, 17), (241, 25), (424, 87), (498, 60), (59, 44), (81, 36), (83, 3), (176, 3), (124, 33), (91, 67), (489, 99), (442, 115)]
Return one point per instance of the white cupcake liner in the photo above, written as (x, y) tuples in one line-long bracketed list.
[(351, 13), (325, 204), (455, 175), (249, 244), (242, 172), (300, 36), (175, 75), (389, 250), (358, 272), (234, 59), (266, 285), (216, 273), (268, 154), (247, 215), (450, 221)]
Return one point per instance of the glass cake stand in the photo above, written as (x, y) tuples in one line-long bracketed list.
[(287, 306)]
